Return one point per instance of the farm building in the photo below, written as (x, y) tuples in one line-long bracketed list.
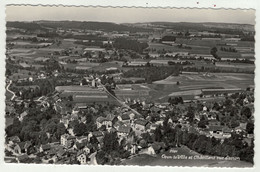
[(205, 56), (233, 39), (211, 39), (221, 92), (85, 94)]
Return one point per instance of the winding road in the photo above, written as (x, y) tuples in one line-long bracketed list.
[(7, 88)]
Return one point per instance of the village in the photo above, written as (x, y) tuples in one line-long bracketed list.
[(85, 128), (110, 93)]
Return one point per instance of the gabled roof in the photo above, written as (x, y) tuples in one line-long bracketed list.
[(80, 145), (14, 139), (110, 117), (100, 119), (61, 152), (142, 122), (97, 133), (24, 145), (215, 128), (46, 147), (158, 145), (125, 117), (68, 137), (80, 152), (22, 157), (226, 130), (24, 114), (124, 129)]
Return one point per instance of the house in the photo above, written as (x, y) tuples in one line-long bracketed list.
[(13, 140), (44, 148), (226, 132), (123, 131), (82, 139), (213, 122), (67, 140), (124, 118), (155, 109), (22, 147), (140, 124), (213, 115), (51, 152), (81, 157), (61, 153), (215, 131), (88, 149), (98, 134), (133, 149), (100, 121), (22, 115), (111, 117), (79, 146), (156, 148), (153, 126), (65, 119), (150, 151), (22, 158)]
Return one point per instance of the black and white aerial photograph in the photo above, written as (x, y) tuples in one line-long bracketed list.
[(123, 86)]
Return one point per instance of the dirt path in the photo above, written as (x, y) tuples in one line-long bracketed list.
[(7, 88)]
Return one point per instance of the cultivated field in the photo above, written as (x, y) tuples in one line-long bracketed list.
[(191, 84)]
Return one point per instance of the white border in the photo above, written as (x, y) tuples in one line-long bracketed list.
[(231, 4)]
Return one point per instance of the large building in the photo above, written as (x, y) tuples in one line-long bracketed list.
[(85, 94)]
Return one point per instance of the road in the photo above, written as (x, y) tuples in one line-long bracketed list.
[(7, 88), (93, 160), (119, 101)]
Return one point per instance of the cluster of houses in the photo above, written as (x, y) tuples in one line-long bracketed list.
[(122, 121)]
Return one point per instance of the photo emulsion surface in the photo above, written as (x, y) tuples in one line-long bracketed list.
[(129, 86)]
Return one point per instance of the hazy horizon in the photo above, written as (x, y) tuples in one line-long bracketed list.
[(128, 15), (125, 22)]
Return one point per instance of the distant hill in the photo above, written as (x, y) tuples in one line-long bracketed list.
[(135, 27), (206, 25), (105, 26), (30, 26)]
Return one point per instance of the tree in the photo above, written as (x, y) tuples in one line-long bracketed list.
[(70, 98), (84, 81), (203, 123), (187, 34), (158, 134), (80, 129), (234, 123), (147, 137), (250, 127), (246, 111), (213, 52), (61, 129), (110, 142), (190, 114), (8, 72), (101, 157)]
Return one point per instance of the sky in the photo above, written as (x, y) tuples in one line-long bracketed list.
[(128, 15)]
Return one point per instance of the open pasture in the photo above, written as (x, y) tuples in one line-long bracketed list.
[(202, 47), (195, 50), (234, 65), (190, 84), (76, 88), (104, 66)]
